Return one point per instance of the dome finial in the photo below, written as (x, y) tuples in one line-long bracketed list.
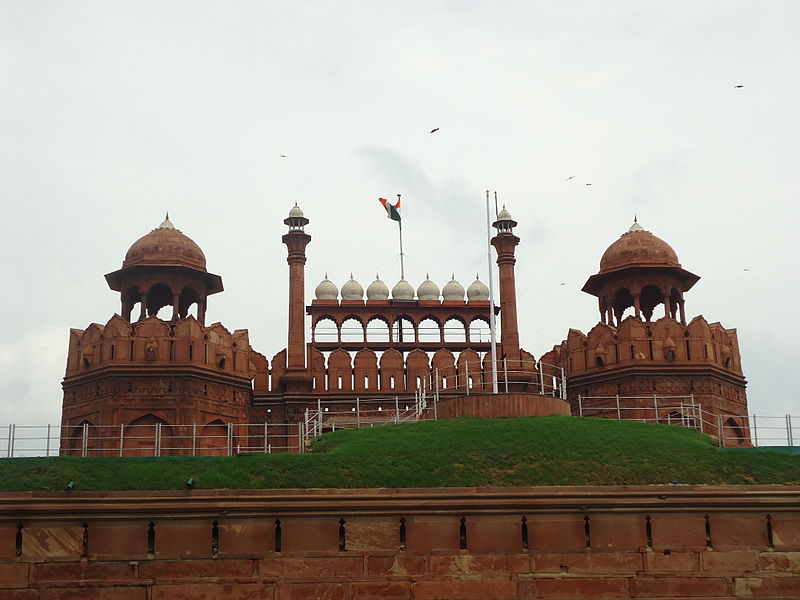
[(166, 223)]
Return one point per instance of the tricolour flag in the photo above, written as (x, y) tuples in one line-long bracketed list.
[(392, 210)]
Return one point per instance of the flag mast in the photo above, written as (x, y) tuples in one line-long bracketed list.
[(492, 327), (400, 224)]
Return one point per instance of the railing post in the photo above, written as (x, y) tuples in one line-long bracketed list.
[(10, 443), (300, 438), (435, 408), (84, 442), (157, 442), (541, 377), (466, 375), (358, 414), (563, 384), (319, 417), (655, 406), (789, 430), (47, 447), (720, 432), (230, 439), (266, 445), (755, 431), (436, 390), (121, 440), (619, 411), (194, 439), (505, 372), (580, 406), (396, 410)]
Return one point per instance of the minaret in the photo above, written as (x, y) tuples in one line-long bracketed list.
[(296, 241), (505, 242)]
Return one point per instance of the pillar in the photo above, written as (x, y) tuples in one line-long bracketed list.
[(505, 243), (201, 311), (636, 306), (143, 312), (682, 310), (176, 298), (296, 241)]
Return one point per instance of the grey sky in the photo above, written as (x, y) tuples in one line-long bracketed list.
[(115, 112)]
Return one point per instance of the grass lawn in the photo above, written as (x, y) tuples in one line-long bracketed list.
[(451, 453)]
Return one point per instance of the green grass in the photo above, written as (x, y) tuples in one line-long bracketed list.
[(452, 453)]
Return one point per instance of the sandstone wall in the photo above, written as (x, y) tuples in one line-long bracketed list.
[(662, 542)]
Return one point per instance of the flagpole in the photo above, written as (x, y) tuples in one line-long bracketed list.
[(492, 327), (400, 224)]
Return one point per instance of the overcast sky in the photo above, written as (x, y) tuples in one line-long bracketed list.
[(114, 112)]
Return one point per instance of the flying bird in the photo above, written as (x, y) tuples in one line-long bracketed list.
[(562, 283), (434, 130), (745, 269), (738, 86), (283, 156), (588, 184), (570, 177)]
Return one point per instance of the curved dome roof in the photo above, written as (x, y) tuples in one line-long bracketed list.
[(296, 211), (377, 290), (428, 290), (638, 247), (352, 290), (165, 245), (402, 290), (326, 290), (477, 290), (453, 290)]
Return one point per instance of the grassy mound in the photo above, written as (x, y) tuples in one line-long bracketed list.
[(452, 453)]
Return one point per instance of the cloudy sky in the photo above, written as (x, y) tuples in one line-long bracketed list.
[(114, 112)]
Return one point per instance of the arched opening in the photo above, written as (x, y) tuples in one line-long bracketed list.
[(622, 304), (131, 300), (651, 296), (403, 329), (733, 433), (429, 331), (158, 296), (325, 330), (213, 439), (454, 330), (148, 435), (86, 432), (352, 330), (674, 301), (377, 330), (479, 330), (189, 299)]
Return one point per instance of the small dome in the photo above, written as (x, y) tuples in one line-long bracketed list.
[(453, 290), (296, 211), (377, 290), (504, 215), (352, 290), (638, 247), (165, 245), (326, 290), (477, 290), (428, 290), (402, 290)]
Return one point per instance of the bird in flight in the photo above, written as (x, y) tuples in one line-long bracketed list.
[(745, 269), (434, 130), (570, 177), (738, 86), (588, 184), (283, 156), (562, 283)]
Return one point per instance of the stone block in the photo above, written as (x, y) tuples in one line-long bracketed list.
[(310, 535), (52, 542), (19, 594), (730, 562), (311, 568), (247, 536), (500, 566), (779, 561), (107, 573), (678, 531), (222, 568), (401, 565), (574, 588), (587, 562), (118, 540), (785, 531), (775, 587), (427, 534), (94, 593), (13, 575), (465, 590), (556, 532), (176, 539), (624, 532), (309, 591), (678, 587), (394, 590), (8, 541), (738, 531), (494, 534), (660, 562), (214, 591), (364, 534)]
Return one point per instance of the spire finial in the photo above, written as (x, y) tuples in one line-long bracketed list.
[(635, 218), (326, 274), (351, 275)]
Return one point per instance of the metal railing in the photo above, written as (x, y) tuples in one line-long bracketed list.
[(512, 375), (158, 439), (730, 430)]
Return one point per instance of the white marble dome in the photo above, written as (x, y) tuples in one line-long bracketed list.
[(326, 290), (402, 290), (504, 215), (428, 290), (453, 290), (377, 290), (296, 211), (477, 290), (352, 290)]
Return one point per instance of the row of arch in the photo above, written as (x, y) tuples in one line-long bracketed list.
[(160, 295), (625, 301), (379, 329)]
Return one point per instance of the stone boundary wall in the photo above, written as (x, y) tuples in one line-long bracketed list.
[(568, 543)]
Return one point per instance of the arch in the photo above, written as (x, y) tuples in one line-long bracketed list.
[(140, 437), (455, 329), (318, 370), (733, 433), (189, 297), (429, 330), (377, 329), (340, 371), (365, 371), (325, 329), (469, 370), (391, 371), (622, 301), (213, 439), (352, 330), (130, 297), (158, 296), (650, 297), (443, 364), (417, 369), (73, 445), (479, 330), (403, 329)]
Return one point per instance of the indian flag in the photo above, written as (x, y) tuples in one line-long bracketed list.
[(392, 210)]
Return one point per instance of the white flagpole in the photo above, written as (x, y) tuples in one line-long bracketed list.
[(492, 327), (400, 223)]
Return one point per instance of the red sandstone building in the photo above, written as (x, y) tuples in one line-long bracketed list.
[(199, 387)]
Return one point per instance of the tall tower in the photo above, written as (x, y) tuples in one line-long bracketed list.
[(505, 242), (297, 377)]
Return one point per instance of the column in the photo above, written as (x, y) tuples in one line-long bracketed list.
[(636, 306), (201, 311), (505, 244), (682, 311), (296, 241), (176, 298), (143, 300)]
